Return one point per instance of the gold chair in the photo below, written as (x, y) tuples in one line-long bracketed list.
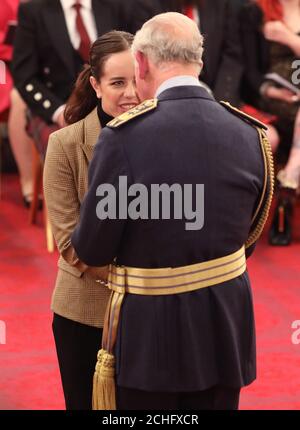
[(3, 121), (38, 166)]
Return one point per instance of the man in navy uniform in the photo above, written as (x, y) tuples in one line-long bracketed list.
[(180, 326)]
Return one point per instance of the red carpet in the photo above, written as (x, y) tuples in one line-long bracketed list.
[(29, 376)]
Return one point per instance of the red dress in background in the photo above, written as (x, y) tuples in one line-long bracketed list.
[(8, 12)]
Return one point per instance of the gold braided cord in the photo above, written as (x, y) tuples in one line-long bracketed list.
[(268, 186), (268, 157), (265, 183)]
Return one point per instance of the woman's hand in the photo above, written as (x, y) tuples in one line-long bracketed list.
[(277, 31), (98, 273), (281, 94)]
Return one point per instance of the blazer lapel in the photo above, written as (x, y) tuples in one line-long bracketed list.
[(92, 129), (55, 24)]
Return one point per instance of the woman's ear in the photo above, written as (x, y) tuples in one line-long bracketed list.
[(97, 87)]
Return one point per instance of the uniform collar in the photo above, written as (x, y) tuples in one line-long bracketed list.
[(177, 81), (185, 92)]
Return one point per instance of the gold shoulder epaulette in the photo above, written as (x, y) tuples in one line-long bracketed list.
[(142, 108), (248, 118)]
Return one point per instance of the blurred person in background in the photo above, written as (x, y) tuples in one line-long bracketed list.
[(52, 43), (8, 13), (217, 22), (11, 102), (270, 31), (288, 190), (104, 89)]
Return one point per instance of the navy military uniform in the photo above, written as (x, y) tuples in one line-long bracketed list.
[(192, 341)]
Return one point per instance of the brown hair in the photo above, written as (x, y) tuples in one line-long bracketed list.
[(83, 98)]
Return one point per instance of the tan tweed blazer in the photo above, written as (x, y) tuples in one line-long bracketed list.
[(76, 295)]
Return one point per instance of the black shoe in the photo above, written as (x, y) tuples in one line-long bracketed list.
[(280, 233), (27, 199)]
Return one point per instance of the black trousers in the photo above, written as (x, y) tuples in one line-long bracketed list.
[(215, 398), (77, 346)]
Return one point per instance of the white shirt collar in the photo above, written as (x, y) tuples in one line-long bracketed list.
[(177, 81), (67, 4)]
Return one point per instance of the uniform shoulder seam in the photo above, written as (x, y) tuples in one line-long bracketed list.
[(244, 116)]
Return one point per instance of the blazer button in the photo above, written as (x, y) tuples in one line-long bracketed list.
[(38, 97), (47, 104), (29, 88)]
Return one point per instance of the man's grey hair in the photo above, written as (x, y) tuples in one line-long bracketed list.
[(170, 37)]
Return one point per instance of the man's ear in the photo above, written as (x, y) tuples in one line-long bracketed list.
[(143, 65)]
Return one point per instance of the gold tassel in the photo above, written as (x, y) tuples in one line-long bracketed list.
[(104, 390)]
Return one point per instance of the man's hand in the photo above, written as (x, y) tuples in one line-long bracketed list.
[(98, 273)]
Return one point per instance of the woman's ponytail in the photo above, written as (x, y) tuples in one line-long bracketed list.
[(83, 98)]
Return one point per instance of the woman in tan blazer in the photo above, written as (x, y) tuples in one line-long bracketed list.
[(104, 89)]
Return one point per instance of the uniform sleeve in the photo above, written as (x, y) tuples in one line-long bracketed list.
[(25, 67), (62, 201), (96, 239)]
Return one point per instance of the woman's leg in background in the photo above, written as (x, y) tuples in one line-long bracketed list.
[(20, 142), (289, 177), (288, 182)]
